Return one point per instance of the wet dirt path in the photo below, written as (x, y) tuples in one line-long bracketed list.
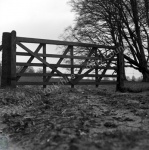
[(89, 120), (120, 112)]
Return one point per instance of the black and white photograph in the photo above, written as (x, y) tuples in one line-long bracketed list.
[(74, 75)]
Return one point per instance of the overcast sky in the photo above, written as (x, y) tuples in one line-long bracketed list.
[(44, 19), (35, 18)]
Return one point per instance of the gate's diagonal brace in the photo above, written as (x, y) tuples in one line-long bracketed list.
[(87, 72), (104, 71), (43, 61), (86, 60), (29, 61), (59, 61), (75, 81)]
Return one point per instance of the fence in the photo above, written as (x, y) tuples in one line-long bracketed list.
[(11, 79)]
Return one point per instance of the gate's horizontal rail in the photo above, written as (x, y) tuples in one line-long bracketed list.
[(61, 56), (64, 66), (49, 74), (56, 83), (55, 42)]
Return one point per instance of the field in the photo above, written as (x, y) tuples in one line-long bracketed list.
[(83, 118)]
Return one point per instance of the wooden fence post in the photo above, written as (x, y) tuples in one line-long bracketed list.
[(8, 78), (120, 72), (13, 59), (6, 60)]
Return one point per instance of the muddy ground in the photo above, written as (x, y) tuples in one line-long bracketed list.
[(84, 118)]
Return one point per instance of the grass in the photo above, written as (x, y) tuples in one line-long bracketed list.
[(130, 86), (39, 79), (136, 87)]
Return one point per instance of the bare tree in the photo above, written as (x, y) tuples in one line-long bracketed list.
[(113, 22)]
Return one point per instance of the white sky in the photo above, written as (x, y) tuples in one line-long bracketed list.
[(35, 18), (45, 19)]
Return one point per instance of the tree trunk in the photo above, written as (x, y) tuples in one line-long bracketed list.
[(124, 72), (145, 71), (124, 75), (145, 77)]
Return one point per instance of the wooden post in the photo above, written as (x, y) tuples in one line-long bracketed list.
[(13, 59), (72, 63), (8, 78), (120, 72), (6, 60), (44, 66)]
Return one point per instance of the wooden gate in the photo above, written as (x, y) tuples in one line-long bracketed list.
[(10, 78)]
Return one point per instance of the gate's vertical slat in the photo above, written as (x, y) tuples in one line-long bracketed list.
[(44, 66), (13, 59), (96, 69), (72, 63), (6, 60)]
